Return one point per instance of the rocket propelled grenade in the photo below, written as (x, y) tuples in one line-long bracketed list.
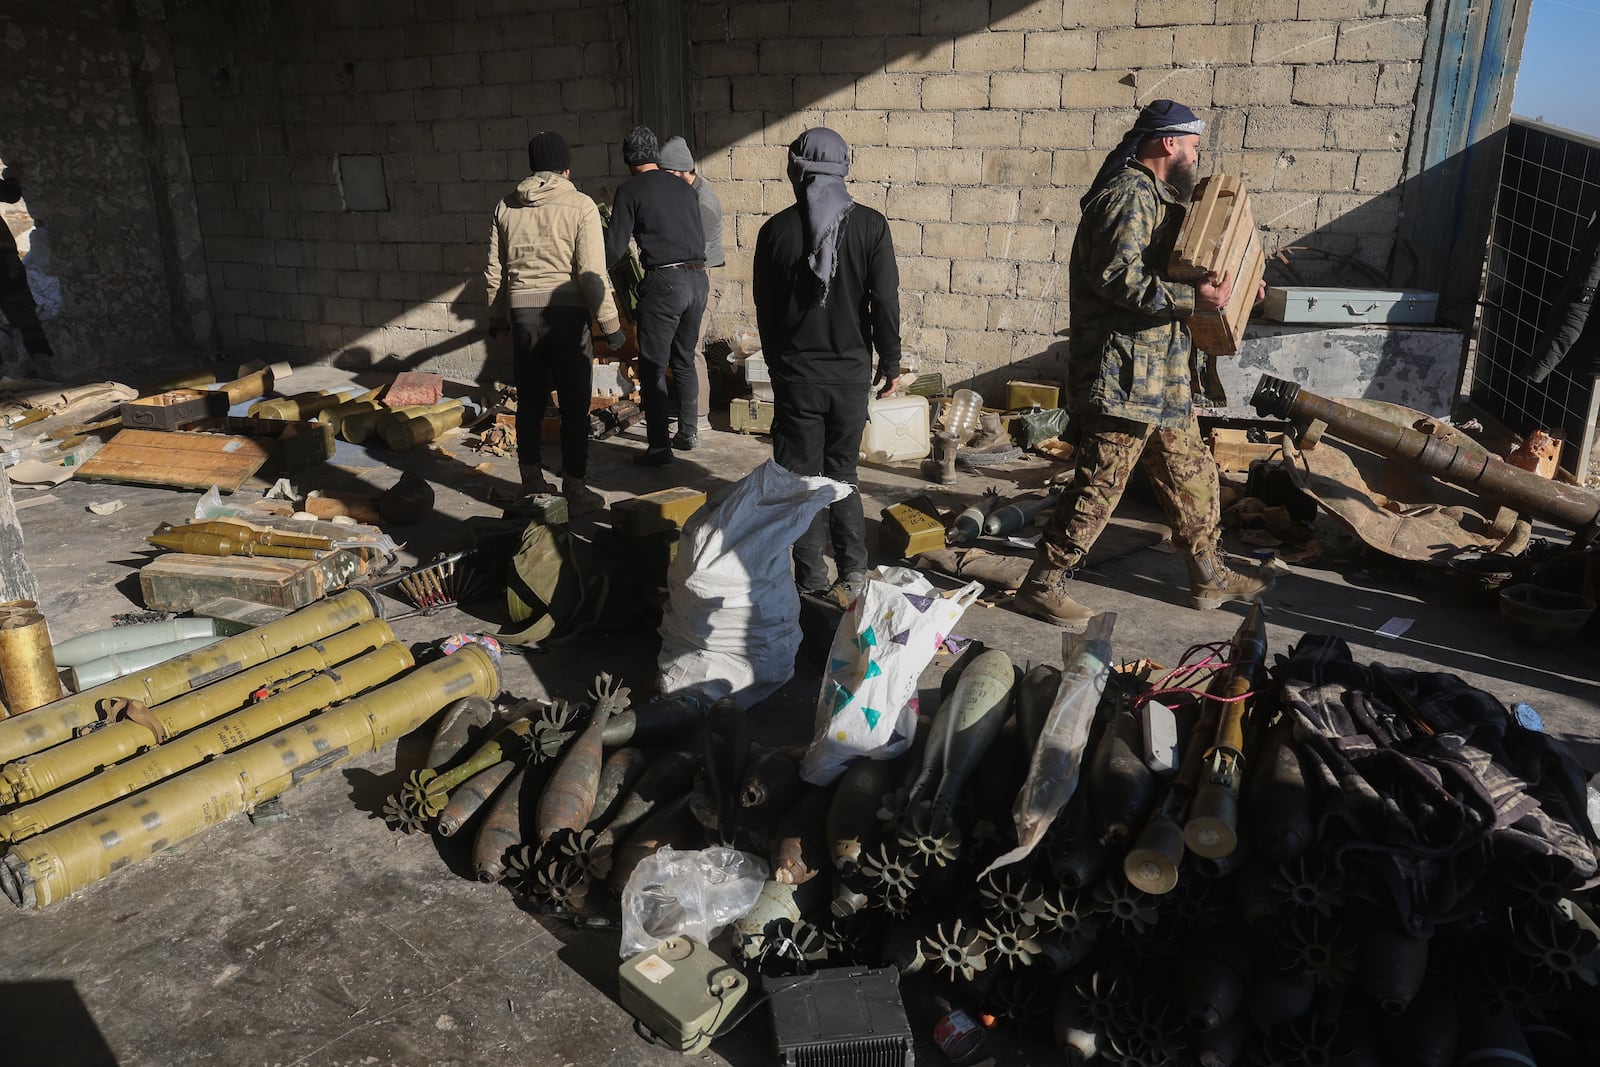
[(1213, 827)]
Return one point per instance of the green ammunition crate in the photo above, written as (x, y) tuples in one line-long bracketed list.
[(751, 416), (658, 512), (180, 581)]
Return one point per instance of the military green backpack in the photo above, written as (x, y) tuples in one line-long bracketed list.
[(556, 586)]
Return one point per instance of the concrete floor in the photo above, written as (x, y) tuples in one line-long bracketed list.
[(327, 939)]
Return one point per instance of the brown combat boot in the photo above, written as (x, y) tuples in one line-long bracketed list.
[(941, 466), (581, 500), (1043, 594), (533, 480), (991, 445), (1212, 584)]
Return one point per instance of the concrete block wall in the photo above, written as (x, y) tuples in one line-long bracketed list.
[(977, 125)]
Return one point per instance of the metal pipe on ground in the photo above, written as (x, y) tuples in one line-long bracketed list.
[(34, 776), (56, 722), (212, 739), (1474, 470), (45, 869)]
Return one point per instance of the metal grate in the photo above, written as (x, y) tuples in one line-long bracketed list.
[(1549, 190)]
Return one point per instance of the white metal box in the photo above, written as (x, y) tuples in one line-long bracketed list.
[(1335, 306)]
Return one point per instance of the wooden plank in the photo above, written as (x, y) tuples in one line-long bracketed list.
[(176, 460)]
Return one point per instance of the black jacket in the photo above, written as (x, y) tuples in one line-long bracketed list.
[(832, 344), (662, 213), (1564, 342)]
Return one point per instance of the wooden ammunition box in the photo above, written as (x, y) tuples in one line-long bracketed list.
[(291, 446), (911, 527), (1234, 451), (179, 581), (751, 416), (174, 409), (665, 510), (1032, 395), (1219, 236)]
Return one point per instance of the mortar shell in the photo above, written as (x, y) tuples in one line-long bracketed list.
[(671, 824), (568, 798), (1152, 863), (660, 722), (726, 741), (36, 775), (459, 723), (1392, 966), (852, 825), (1121, 788), (55, 722), (47, 868), (467, 798), (772, 782), (1210, 991), (799, 849), (1277, 798), (359, 425), (27, 666), (619, 773), (665, 780), (501, 830), (208, 740)]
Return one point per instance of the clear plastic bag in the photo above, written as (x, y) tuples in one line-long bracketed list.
[(689, 893)]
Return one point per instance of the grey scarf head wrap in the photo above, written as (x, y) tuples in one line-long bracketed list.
[(818, 161), (1156, 117)]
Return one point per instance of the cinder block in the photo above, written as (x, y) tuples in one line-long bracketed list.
[(1134, 49), (765, 94), (953, 166), (888, 91), (921, 128), (1399, 37), (1251, 85), (1248, 12), (1357, 213), (953, 92), (1192, 85), (1397, 83), (722, 57), (1213, 46), (950, 239), (927, 343), (988, 129), (877, 164), (906, 236), (955, 310), (1025, 90), (1314, 171), (1075, 167), (1038, 15), (1056, 129), (1175, 12), (859, 127), (920, 54), (924, 273), (1031, 316), (754, 21), (1336, 83), (1059, 50), (1380, 171), (988, 52), (824, 91), (1287, 127), (759, 161), (1340, 9), (886, 16), (1295, 42), (851, 55), (954, 20), (1291, 212), (1032, 243), (1378, 127), (1016, 166), (920, 203), (982, 277), (1096, 88), (788, 55), (984, 205)]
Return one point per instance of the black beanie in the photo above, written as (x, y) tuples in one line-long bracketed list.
[(640, 147), (548, 151)]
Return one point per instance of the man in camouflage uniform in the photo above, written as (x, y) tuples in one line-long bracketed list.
[(1128, 367)]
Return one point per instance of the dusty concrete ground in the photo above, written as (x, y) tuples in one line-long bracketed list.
[(327, 939)]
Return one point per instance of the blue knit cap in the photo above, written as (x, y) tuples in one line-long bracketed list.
[(1157, 117)]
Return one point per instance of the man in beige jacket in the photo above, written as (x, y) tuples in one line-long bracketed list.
[(547, 255)]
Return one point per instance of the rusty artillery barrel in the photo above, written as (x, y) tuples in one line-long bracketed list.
[(36, 775), (1472, 469), (56, 722), (44, 869)]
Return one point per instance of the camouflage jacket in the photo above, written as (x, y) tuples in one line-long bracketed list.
[(1128, 353)]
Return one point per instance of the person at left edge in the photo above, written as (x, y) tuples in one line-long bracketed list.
[(547, 255), (661, 213)]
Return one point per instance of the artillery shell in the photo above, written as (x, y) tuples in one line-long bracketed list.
[(1222, 1046), (1210, 990), (1392, 966), (1426, 1033), (1493, 1039), (501, 830), (618, 774), (672, 824), (799, 849), (726, 740), (952, 673), (1076, 855), (852, 825), (1035, 694), (471, 795), (568, 798), (1121, 788), (460, 722), (966, 726), (772, 782), (998, 777), (665, 780), (660, 722), (1152, 863), (1277, 798)]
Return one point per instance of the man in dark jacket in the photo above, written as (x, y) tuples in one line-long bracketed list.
[(16, 299), (662, 214), (826, 291)]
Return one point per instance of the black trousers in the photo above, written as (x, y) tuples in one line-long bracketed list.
[(16, 300), (671, 303), (552, 348), (816, 429)]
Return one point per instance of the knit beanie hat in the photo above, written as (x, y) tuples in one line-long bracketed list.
[(675, 155), (640, 147), (548, 151)]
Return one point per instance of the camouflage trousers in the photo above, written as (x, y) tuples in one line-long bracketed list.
[(1178, 463)]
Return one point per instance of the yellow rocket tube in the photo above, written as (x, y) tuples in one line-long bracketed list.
[(197, 746), (47, 868), (34, 776), (55, 722)]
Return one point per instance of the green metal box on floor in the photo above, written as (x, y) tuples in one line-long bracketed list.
[(180, 581), (750, 416)]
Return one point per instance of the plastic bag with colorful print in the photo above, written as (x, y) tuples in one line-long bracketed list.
[(868, 704)]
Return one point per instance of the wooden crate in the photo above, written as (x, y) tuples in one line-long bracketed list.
[(1234, 451), (174, 408), (1219, 236), (179, 581)]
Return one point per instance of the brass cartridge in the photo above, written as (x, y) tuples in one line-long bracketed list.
[(27, 666), (47, 868)]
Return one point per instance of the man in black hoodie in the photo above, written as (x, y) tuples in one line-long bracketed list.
[(826, 290)]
